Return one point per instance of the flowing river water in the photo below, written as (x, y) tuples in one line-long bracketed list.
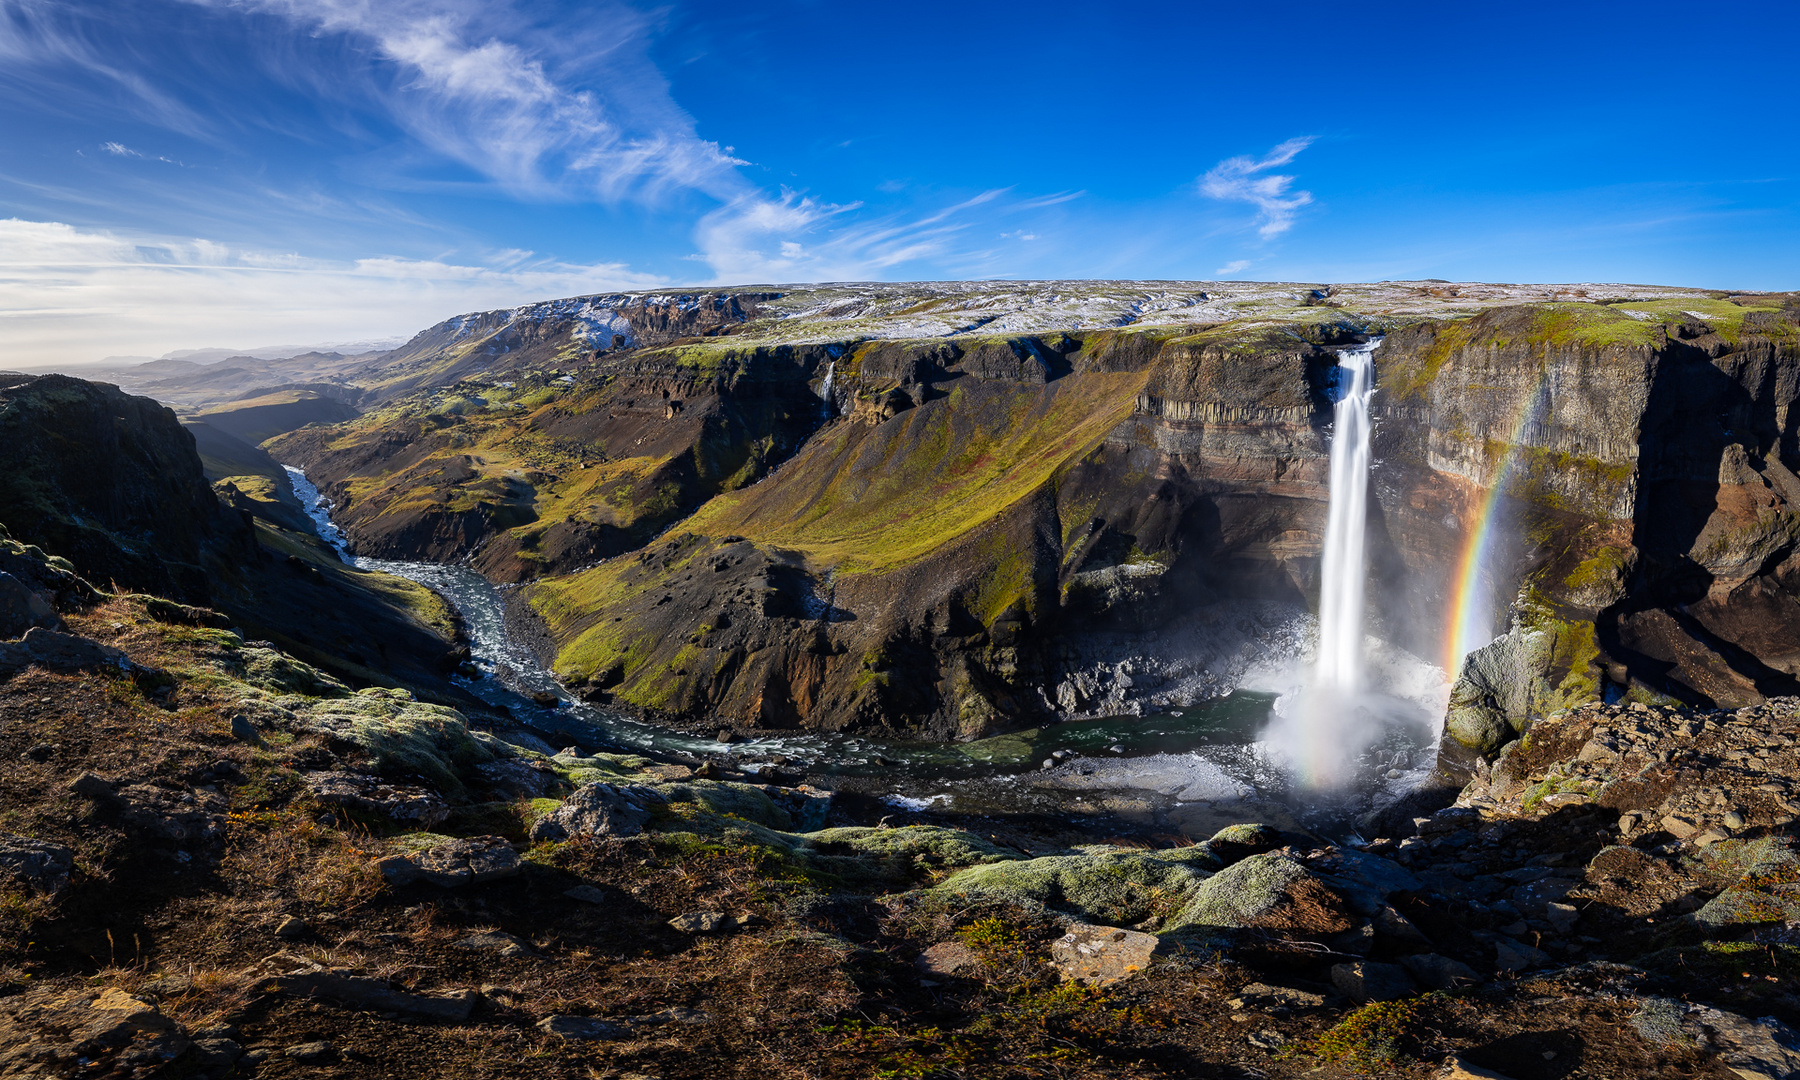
[(1183, 770)]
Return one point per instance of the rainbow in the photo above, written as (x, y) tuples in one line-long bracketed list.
[(1471, 621)]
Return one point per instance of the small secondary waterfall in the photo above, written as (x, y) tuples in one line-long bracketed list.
[(825, 387), (1345, 570)]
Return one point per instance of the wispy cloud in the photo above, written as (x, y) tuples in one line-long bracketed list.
[(797, 238), (38, 37), (119, 149), (570, 109), (513, 97), (1230, 268), (1049, 200), (1248, 179), (70, 295)]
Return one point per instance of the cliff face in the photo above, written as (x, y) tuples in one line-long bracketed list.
[(987, 530), (113, 483), (1646, 475)]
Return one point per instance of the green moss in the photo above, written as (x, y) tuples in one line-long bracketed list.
[(1603, 569), (1404, 379)]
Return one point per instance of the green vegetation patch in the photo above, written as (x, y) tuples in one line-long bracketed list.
[(1381, 1035)]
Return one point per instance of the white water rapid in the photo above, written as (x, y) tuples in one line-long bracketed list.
[(1339, 666)]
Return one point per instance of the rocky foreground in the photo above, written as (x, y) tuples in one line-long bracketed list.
[(216, 860)]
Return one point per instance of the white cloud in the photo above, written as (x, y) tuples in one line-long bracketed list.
[(70, 296), (1231, 268), (1247, 179), (119, 149)]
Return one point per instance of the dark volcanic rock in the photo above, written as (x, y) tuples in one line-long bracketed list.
[(598, 810), (34, 864)]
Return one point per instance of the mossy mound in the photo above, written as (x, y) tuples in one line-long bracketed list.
[(1242, 894), (278, 673), (1114, 887), (595, 768), (402, 736)]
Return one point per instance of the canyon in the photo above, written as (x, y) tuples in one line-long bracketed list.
[(1032, 502)]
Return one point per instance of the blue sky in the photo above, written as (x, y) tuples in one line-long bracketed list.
[(246, 172)]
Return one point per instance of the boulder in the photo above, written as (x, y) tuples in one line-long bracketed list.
[(1396, 927), (37, 865), (1764, 1049), (1102, 885), (58, 651), (1491, 698), (701, 922), (599, 810), (472, 861), (1101, 955), (1267, 998), (317, 1052), (808, 807), (496, 942), (401, 803), (518, 779), (179, 816), (1364, 981), (21, 608), (369, 994), (1510, 955), (587, 894), (45, 1033), (1435, 972)]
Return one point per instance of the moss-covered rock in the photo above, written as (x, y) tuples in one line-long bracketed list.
[(1243, 895), (1118, 888)]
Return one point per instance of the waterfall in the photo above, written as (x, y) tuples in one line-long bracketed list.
[(825, 387), (1325, 726), (1345, 571)]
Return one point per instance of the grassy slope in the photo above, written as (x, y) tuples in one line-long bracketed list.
[(508, 454), (862, 501)]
